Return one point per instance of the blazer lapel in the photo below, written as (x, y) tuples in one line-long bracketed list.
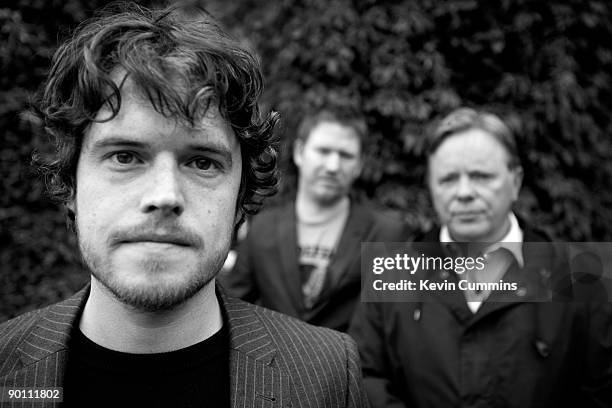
[(255, 378), (43, 351), (453, 300), (52, 332), (286, 236), (357, 225)]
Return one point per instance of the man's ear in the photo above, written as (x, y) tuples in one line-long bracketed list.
[(69, 207), (517, 181), (239, 217), (239, 220), (298, 148), (360, 164)]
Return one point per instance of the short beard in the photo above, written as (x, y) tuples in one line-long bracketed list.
[(329, 201), (162, 296), (154, 299)]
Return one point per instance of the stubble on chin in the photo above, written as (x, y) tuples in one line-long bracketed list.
[(163, 291)]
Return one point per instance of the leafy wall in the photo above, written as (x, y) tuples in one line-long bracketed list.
[(545, 66)]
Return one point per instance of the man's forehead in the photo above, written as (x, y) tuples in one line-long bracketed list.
[(139, 95), (459, 163), (138, 119), (472, 147), (330, 132)]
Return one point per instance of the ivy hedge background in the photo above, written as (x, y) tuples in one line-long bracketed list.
[(545, 66)]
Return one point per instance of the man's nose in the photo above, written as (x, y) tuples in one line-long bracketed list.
[(332, 162), (465, 189), (163, 190)]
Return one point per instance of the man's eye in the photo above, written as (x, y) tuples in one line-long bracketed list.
[(448, 179), (124, 157), (481, 176), (202, 163)]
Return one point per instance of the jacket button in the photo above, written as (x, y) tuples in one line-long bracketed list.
[(542, 348)]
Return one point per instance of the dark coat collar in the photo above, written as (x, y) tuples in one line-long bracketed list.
[(530, 234), (538, 266)]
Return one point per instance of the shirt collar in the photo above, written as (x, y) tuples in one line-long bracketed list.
[(512, 241)]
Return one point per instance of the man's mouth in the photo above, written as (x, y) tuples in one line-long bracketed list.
[(466, 214), (171, 239), (329, 180)]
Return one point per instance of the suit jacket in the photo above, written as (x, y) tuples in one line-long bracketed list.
[(267, 267), (275, 360), (510, 353)]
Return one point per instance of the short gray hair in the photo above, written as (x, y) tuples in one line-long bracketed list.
[(463, 119)]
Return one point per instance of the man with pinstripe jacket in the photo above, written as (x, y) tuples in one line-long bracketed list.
[(161, 150)]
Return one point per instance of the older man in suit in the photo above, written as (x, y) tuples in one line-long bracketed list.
[(160, 152), (506, 346), (302, 258)]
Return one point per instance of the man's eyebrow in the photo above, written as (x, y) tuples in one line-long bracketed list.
[(448, 174), (118, 141), (214, 148)]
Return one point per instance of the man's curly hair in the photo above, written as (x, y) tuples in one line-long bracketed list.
[(183, 62)]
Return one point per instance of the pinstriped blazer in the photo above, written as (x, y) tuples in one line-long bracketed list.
[(275, 360)]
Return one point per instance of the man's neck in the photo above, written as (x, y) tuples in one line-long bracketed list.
[(116, 326), (312, 211)]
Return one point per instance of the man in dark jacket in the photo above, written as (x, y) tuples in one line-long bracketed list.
[(466, 346), (302, 259)]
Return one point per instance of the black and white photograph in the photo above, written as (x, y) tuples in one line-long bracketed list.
[(306, 203)]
